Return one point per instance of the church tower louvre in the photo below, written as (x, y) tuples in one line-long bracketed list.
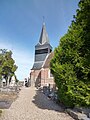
[(42, 49)]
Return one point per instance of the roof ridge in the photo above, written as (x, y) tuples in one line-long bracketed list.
[(45, 59), (47, 62)]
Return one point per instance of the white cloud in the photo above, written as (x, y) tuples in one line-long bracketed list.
[(23, 59)]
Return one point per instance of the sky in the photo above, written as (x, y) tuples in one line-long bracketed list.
[(21, 23)]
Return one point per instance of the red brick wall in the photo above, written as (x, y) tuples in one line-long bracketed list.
[(45, 78), (36, 77), (42, 77)]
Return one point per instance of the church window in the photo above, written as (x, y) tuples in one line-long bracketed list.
[(50, 75)]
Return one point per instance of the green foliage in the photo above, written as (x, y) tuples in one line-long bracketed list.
[(0, 112), (71, 63), (7, 64)]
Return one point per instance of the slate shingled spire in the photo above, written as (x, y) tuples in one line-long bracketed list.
[(42, 49), (44, 36)]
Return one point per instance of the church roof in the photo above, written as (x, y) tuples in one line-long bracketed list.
[(43, 64), (37, 65), (44, 36), (47, 62)]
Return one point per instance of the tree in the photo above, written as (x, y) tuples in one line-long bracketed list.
[(71, 63), (7, 64)]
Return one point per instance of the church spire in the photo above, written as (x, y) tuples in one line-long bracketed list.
[(42, 49), (44, 36)]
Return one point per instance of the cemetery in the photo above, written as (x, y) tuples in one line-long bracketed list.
[(57, 86)]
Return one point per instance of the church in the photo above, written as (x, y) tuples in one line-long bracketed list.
[(40, 73)]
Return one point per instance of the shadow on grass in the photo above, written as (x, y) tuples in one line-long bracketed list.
[(6, 99), (43, 102)]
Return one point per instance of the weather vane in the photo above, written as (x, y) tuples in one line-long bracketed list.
[(43, 19)]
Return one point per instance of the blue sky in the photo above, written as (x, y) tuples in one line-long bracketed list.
[(21, 23)]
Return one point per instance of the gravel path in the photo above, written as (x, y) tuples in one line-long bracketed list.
[(34, 105)]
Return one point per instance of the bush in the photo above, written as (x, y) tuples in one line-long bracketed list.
[(70, 65)]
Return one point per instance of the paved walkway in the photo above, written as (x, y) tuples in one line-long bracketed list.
[(34, 105)]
